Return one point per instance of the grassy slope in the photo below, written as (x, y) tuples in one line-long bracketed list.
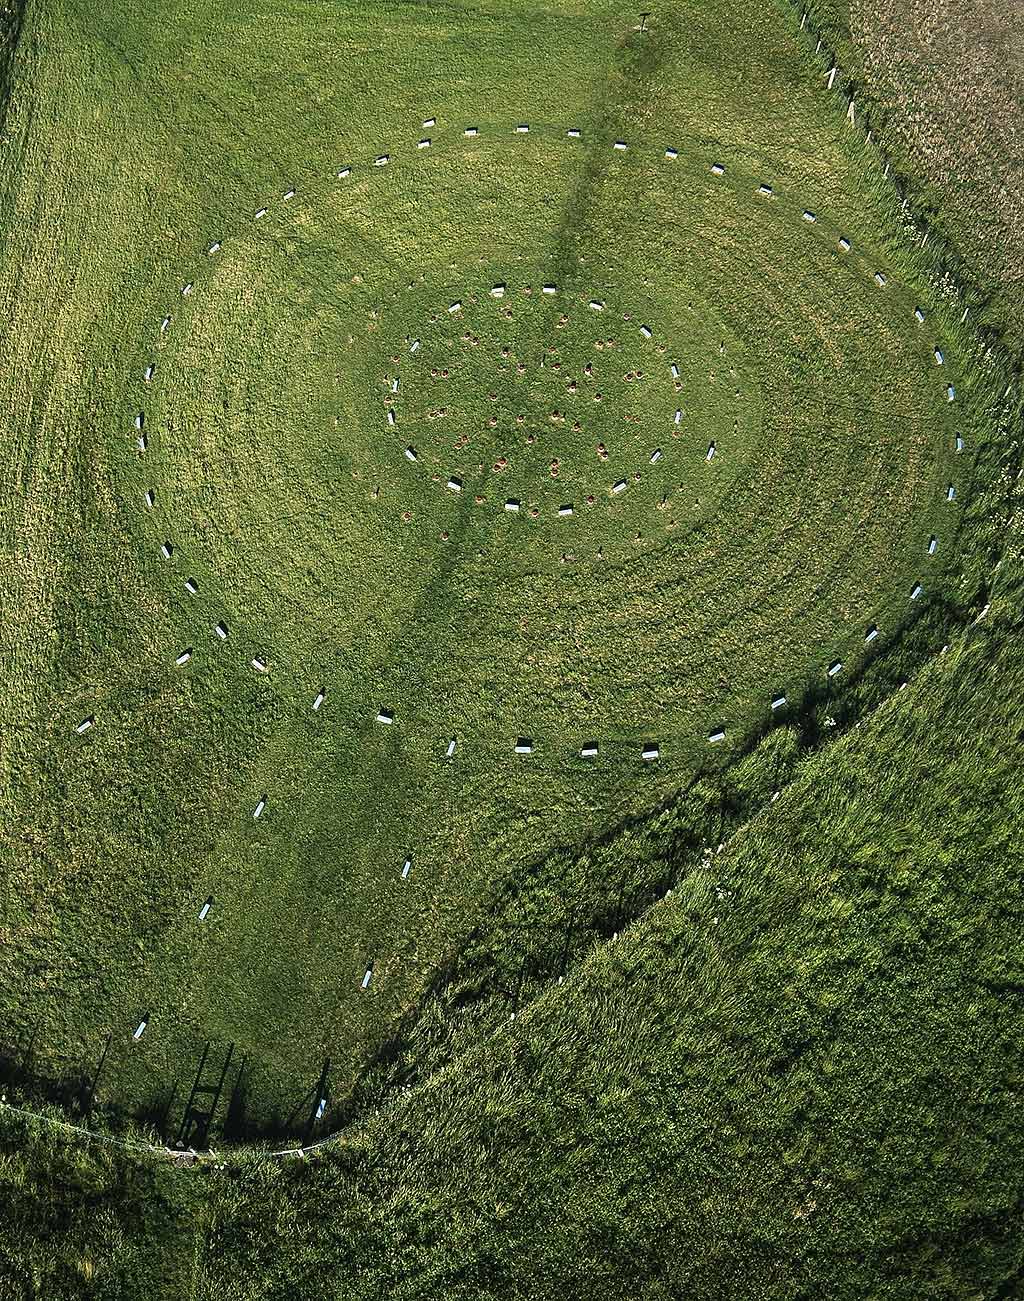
[(124, 834)]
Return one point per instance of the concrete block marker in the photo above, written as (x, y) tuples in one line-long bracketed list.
[(938, 356), (880, 279), (414, 346), (778, 702), (454, 307), (260, 665), (424, 143), (650, 752), (717, 169), (809, 216), (655, 456), (429, 121), (835, 668), (679, 416), (549, 289), (844, 244), (192, 587), (167, 549), (565, 510), (711, 452), (391, 417), (318, 700), (385, 716), (86, 724), (916, 591), (394, 385), (150, 497), (451, 748), (321, 1108), (831, 79), (142, 442), (596, 305), (382, 160), (344, 172), (918, 316), (261, 804), (765, 191), (588, 750), (950, 393), (186, 289), (619, 486), (671, 154), (471, 131), (958, 443), (717, 736), (140, 420), (214, 247), (498, 290), (524, 745), (140, 1029), (221, 629), (406, 869), (871, 633), (410, 454), (184, 657), (523, 128), (259, 214), (646, 331), (149, 372), (165, 325), (455, 485), (574, 133), (288, 194), (674, 369), (204, 912), (933, 545), (620, 145), (950, 493), (367, 977), (512, 504)]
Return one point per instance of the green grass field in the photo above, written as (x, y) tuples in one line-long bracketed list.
[(364, 396)]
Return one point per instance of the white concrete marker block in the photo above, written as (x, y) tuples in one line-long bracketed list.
[(849, 114), (831, 78), (778, 702), (933, 545), (916, 591), (382, 160), (424, 143), (950, 493), (367, 978), (938, 356), (650, 753), (950, 393), (222, 631), (549, 289), (835, 668), (204, 912), (565, 510), (512, 505), (455, 485), (810, 216), (187, 289), (391, 417), (679, 416), (184, 657), (498, 291), (619, 486), (716, 737), (410, 454), (260, 665), (140, 1029), (430, 121), (646, 331), (149, 371), (711, 452), (471, 131), (261, 804), (675, 370), (140, 420), (523, 128), (451, 748), (142, 442), (454, 307), (524, 745), (765, 191), (192, 587), (880, 279), (321, 1107), (166, 549), (959, 443), (918, 316), (214, 247), (671, 154), (288, 194), (394, 385), (717, 169), (574, 133), (345, 171), (85, 724), (415, 346), (620, 144), (596, 305), (871, 633), (406, 869), (589, 750), (151, 498), (318, 700), (165, 325), (844, 244), (656, 456), (386, 716)]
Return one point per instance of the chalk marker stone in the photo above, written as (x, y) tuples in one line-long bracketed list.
[(778, 702), (916, 591), (565, 510), (679, 416), (222, 631), (85, 724), (471, 131), (524, 745), (620, 486), (204, 912), (834, 668), (574, 133), (140, 1029), (959, 443), (386, 716), (367, 978), (382, 160), (149, 372), (717, 169), (711, 453), (938, 356), (650, 752), (675, 370), (765, 191), (522, 128), (214, 247), (260, 806), (455, 307), (596, 305), (656, 456), (512, 505), (810, 217), (415, 346), (166, 549), (549, 289), (933, 545), (165, 325), (672, 154), (187, 289), (318, 700), (410, 454), (716, 737), (406, 868), (451, 748), (950, 493), (871, 633), (430, 121), (950, 393), (259, 214), (919, 316), (844, 243), (880, 279), (498, 291), (645, 330), (260, 665), (345, 171), (589, 750), (455, 485), (142, 442), (192, 587), (620, 144), (150, 497), (391, 417), (424, 143), (288, 194), (184, 657)]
